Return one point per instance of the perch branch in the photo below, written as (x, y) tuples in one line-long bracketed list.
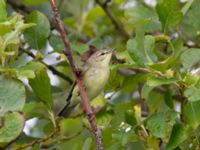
[(76, 71), (38, 141), (116, 22)]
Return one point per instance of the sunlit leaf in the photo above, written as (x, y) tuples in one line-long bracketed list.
[(140, 14), (12, 95), (178, 135), (190, 57), (191, 25), (192, 113), (156, 81), (35, 2), (3, 12), (37, 36), (70, 127), (13, 124), (42, 87), (160, 124), (169, 13)]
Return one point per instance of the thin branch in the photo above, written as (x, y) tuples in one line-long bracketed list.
[(38, 141), (76, 71), (182, 102), (116, 22), (53, 70), (24, 9)]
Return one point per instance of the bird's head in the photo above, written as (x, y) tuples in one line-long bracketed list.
[(101, 57)]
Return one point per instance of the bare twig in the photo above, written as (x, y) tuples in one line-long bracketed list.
[(38, 141), (54, 71), (76, 71), (182, 102), (117, 23)]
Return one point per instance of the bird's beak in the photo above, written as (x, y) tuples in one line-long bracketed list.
[(111, 50)]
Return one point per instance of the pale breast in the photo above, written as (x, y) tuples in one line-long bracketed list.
[(95, 80)]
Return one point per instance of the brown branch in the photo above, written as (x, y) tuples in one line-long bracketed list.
[(38, 141), (116, 22), (182, 102), (53, 70), (76, 71), (24, 9)]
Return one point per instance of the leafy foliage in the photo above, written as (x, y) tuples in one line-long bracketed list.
[(152, 97)]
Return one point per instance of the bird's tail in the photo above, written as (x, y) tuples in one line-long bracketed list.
[(66, 110)]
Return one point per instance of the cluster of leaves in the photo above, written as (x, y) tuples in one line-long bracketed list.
[(151, 101)]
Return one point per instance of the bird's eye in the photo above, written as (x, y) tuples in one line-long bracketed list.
[(102, 53)]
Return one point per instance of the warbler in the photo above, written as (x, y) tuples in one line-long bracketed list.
[(95, 76)]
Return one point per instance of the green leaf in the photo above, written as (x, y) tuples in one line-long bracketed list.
[(12, 95), (35, 2), (142, 50), (3, 11), (33, 65), (11, 126), (119, 116), (149, 44), (193, 92), (28, 70), (87, 144), (103, 118), (25, 74), (190, 57), (178, 135), (131, 118), (136, 54), (37, 36), (165, 64), (56, 42), (80, 48), (107, 136), (140, 15), (5, 27), (160, 124), (153, 142), (74, 143), (169, 13), (135, 145), (70, 127), (42, 87), (29, 110), (191, 79), (11, 38), (186, 7), (191, 25), (134, 80), (156, 81), (14, 23), (192, 113), (146, 89), (168, 98), (97, 42), (155, 102), (98, 102), (115, 80)]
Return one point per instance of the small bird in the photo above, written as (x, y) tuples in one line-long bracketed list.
[(95, 76)]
